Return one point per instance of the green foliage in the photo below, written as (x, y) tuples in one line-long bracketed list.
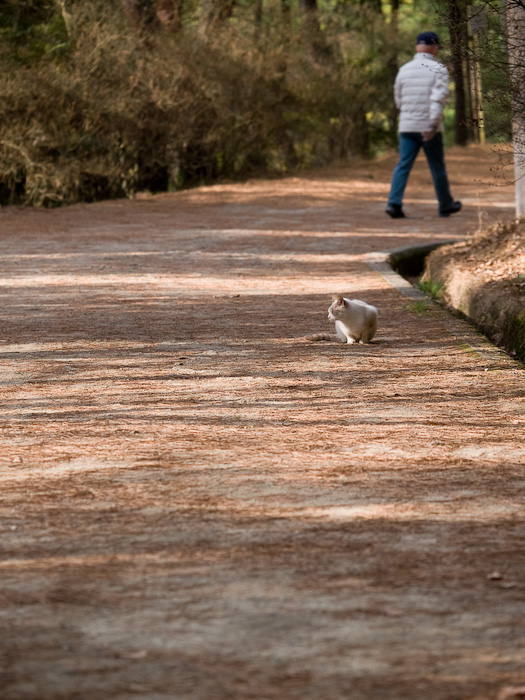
[(422, 307), (31, 31), (432, 289), (492, 54)]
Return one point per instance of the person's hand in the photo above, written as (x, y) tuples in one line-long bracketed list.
[(429, 135)]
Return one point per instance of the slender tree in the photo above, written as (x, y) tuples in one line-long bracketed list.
[(285, 12), (516, 48), (312, 30), (392, 58), (258, 13), (457, 21)]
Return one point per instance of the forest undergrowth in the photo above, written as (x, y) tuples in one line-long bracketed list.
[(91, 110), (97, 105)]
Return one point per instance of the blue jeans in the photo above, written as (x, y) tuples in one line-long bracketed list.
[(410, 144)]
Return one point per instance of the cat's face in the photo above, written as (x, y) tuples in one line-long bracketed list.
[(337, 308)]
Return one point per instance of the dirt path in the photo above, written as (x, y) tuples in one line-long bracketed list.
[(198, 504)]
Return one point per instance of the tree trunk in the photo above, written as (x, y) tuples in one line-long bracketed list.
[(285, 13), (392, 61), (311, 29), (516, 47), (457, 18), (257, 19)]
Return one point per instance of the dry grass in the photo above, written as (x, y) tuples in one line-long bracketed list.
[(97, 114)]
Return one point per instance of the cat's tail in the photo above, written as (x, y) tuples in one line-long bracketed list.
[(320, 336)]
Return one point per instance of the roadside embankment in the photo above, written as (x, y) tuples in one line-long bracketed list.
[(484, 279)]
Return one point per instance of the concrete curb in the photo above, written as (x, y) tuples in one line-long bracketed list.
[(383, 261), (466, 335)]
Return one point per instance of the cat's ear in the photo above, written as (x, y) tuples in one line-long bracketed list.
[(338, 298)]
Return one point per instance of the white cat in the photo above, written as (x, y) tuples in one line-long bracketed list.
[(355, 321)]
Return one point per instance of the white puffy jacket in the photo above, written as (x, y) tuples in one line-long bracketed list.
[(420, 92)]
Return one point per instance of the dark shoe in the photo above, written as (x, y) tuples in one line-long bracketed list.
[(453, 209), (395, 211)]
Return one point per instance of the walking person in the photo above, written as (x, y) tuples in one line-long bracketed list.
[(420, 92)]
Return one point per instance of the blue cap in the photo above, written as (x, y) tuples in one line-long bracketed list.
[(428, 38)]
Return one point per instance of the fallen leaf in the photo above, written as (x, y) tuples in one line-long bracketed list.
[(495, 576), (135, 655), (512, 693), (391, 611)]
